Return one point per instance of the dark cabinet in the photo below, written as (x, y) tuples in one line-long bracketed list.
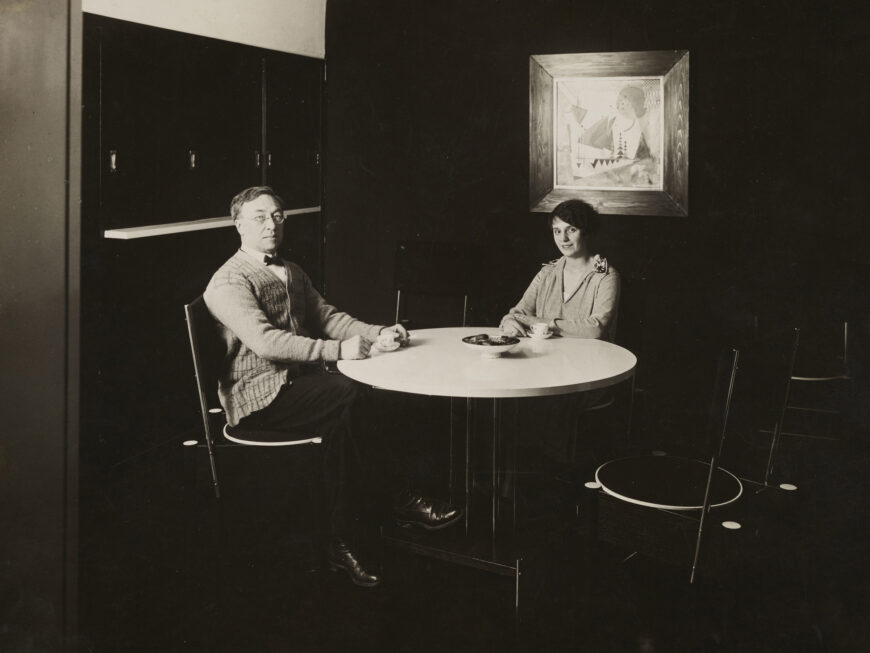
[(221, 108), (184, 122), (292, 115), (139, 81)]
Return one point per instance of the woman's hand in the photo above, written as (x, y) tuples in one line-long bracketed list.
[(528, 320), (510, 326), (518, 324), (515, 324)]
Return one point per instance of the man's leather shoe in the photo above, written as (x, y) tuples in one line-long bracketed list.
[(339, 556), (416, 510)]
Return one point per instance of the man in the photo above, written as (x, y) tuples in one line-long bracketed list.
[(274, 323)]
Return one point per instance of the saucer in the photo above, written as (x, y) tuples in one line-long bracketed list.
[(386, 348), (543, 336)]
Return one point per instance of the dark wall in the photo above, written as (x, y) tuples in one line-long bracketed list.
[(39, 96), (427, 138)]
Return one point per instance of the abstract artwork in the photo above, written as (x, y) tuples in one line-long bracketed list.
[(611, 128)]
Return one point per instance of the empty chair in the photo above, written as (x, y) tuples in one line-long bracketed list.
[(440, 273), (759, 403), (821, 384), (649, 501), (208, 352), (433, 282), (611, 417)]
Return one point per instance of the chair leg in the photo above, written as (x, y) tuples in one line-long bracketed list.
[(315, 497), (705, 509), (575, 434), (630, 409), (211, 425), (214, 476), (774, 444)]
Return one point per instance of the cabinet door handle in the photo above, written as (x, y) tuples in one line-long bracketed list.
[(113, 160), (268, 159), (191, 159), (257, 159)]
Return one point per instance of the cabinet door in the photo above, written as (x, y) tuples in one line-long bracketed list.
[(180, 123), (141, 156), (221, 108), (292, 113)]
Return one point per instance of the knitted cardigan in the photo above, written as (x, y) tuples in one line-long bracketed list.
[(269, 329), (591, 310)]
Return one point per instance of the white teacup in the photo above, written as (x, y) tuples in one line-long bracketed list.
[(388, 340), (539, 329)]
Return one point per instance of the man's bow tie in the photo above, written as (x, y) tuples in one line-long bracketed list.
[(272, 260)]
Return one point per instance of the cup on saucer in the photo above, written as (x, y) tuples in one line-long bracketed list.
[(539, 330), (388, 340)]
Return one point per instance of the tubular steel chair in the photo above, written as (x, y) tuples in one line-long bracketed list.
[(208, 353), (617, 403), (821, 384), (432, 269), (657, 503), (654, 502), (437, 271), (760, 401)]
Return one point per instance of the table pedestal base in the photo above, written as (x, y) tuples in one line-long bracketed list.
[(487, 537)]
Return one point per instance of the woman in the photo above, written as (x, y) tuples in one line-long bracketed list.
[(576, 295)]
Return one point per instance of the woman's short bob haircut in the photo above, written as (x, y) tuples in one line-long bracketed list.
[(578, 214)]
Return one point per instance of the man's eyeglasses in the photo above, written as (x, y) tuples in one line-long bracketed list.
[(277, 218)]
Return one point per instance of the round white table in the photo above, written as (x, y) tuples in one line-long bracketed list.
[(438, 363)]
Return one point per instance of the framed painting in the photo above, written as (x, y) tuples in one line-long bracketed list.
[(611, 128)]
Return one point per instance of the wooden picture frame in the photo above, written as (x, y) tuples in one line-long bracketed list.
[(623, 173)]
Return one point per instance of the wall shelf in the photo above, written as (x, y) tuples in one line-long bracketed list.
[(129, 233)]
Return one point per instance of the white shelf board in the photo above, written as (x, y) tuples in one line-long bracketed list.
[(128, 233)]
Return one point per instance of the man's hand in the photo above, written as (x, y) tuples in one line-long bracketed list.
[(355, 348), (401, 331)]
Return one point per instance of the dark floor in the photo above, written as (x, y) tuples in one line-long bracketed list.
[(167, 567)]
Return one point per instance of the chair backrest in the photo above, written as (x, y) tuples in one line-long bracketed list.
[(632, 312), (824, 350), (440, 270), (759, 400), (207, 351), (720, 401), (629, 330)]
